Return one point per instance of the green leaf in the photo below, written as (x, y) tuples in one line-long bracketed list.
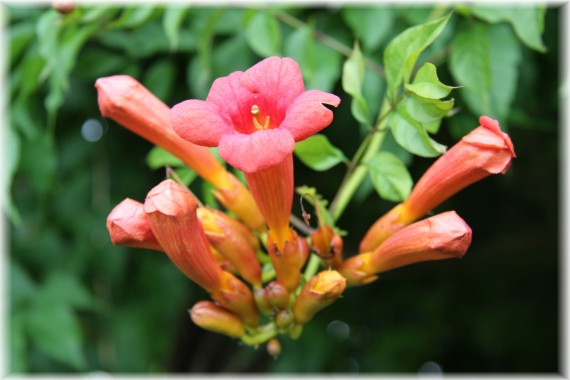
[(55, 331), (353, 72), (427, 110), (171, 20), (469, 64), (231, 55), (62, 288), (403, 51), (134, 17), (159, 158), (20, 36), (370, 24), (486, 60), (17, 351), (300, 45), (329, 69), (318, 153), (390, 177), (186, 175), (527, 21), (22, 287), (159, 78), (263, 34), (412, 135), (505, 57), (427, 85)]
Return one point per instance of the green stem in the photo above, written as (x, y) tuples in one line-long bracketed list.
[(256, 340), (312, 267), (358, 171)]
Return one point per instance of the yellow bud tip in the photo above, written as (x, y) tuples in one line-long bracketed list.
[(274, 348)]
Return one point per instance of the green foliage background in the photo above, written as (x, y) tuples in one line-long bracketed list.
[(79, 304)]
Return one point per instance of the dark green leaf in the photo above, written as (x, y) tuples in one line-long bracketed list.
[(371, 24), (263, 34), (159, 78), (301, 46), (20, 36), (231, 55), (527, 21), (469, 64), (353, 72), (328, 72), (403, 51), (427, 85), (411, 135), (55, 331), (173, 16), (159, 158), (318, 153), (65, 289), (22, 287), (390, 177)]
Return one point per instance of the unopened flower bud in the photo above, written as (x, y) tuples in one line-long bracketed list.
[(286, 261), (274, 348), (319, 292), (211, 317), (443, 236), (261, 301), (484, 151), (284, 319), (235, 296), (277, 295), (328, 246), (231, 243), (171, 209), (129, 225)]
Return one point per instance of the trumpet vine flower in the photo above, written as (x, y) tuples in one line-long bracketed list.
[(254, 118), (484, 151)]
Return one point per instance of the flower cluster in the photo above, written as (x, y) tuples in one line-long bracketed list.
[(255, 118)]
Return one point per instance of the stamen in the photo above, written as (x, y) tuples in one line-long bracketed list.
[(256, 123)]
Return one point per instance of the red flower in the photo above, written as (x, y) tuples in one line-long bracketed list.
[(484, 151), (255, 117)]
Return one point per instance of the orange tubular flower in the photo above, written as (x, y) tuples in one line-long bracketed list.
[(129, 225), (172, 214), (129, 103), (484, 151), (443, 236), (254, 118)]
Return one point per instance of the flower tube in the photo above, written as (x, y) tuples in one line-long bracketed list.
[(484, 151), (171, 209), (443, 236), (129, 103), (254, 118), (129, 225), (213, 318)]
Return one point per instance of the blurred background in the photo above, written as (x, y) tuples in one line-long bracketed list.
[(79, 304)]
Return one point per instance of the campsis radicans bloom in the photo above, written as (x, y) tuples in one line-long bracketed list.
[(484, 151), (319, 292), (254, 118), (126, 101), (443, 236), (171, 209), (211, 317)]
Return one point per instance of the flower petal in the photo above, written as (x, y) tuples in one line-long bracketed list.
[(199, 122), (307, 115), (275, 82), (234, 101), (258, 151)]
